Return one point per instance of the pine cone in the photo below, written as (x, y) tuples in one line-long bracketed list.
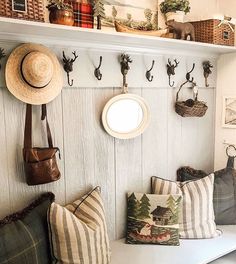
[(189, 103)]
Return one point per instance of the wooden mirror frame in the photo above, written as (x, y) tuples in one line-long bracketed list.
[(136, 132)]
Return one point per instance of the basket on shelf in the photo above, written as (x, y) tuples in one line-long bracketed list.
[(190, 107), (34, 10), (214, 31)]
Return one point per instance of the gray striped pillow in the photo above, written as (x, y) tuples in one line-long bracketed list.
[(79, 232), (198, 219)]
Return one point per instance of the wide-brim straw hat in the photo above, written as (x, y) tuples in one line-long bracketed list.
[(33, 74)]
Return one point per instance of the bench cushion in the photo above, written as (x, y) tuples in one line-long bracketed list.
[(194, 251), (227, 259)]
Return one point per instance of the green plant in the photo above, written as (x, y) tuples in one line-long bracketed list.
[(175, 5), (58, 4)]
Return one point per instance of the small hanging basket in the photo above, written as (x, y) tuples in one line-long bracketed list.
[(190, 107)]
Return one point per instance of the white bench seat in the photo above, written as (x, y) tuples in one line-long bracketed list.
[(227, 259), (190, 251)]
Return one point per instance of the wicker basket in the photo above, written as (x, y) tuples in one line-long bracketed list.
[(35, 10), (196, 109), (211, 31)]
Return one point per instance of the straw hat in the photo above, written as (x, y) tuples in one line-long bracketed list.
[(33, 74)]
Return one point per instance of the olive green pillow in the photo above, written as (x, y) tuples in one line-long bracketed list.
[(153, 219), (24, 235)]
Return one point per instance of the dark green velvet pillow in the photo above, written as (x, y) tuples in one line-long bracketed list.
[(24, 235), (224, 198)]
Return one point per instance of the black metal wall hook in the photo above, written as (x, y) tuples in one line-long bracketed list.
[(193, 84), (2, 55), (97, 71), (149, 76), (171, 70), (188, 74), (207, 71), (124, 63), (68, 66)]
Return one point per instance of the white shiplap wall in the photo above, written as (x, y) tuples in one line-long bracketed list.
[(91, 157)]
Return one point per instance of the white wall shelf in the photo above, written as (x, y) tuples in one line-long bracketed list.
[(45, 33)]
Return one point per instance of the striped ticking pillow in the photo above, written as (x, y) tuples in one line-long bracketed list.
[(197, 220), (224, 198), (79, 232)]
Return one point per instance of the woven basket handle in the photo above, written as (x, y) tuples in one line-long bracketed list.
[(177, 95), (193, 85)]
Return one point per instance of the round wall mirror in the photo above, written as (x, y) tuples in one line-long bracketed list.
[(125, 116)]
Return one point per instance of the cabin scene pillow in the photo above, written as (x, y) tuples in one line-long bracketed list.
[(153, 219)]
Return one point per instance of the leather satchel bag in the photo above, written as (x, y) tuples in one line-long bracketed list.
[(40, 163)]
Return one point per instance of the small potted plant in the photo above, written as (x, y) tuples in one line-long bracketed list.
[(175, 9), (60, 12)]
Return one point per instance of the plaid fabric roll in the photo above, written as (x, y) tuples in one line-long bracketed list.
[(83, 15)]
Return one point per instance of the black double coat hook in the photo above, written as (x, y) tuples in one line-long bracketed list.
[(149, 76), (97, 71)]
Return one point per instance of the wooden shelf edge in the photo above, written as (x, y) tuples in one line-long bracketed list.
[(45, 33)]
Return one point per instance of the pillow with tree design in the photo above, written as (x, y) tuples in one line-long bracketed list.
[(153, 219)]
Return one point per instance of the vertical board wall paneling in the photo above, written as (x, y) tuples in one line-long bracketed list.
[(79, 151), (154, 139), (174, 127), (128, 155), (104, 166), (20, 193), (174, 140), (5, 193), (90, 156), (197, 137)]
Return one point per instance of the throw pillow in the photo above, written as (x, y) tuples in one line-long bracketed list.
[(79, 231), (187, 173), (153, 219), (24, 235), (224, 199), (197, 219)]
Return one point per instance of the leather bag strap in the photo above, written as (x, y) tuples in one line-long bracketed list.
[(28, 126), (49, 134)]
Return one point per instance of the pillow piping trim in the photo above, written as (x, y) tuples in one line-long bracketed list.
[(23, 213), (86, 196), (181, 183), (50, 236), (49, 224)]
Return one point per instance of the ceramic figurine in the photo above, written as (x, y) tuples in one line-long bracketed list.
[(182, 30)]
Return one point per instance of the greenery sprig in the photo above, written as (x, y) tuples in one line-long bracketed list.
[(175, 5), (59, 4)]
